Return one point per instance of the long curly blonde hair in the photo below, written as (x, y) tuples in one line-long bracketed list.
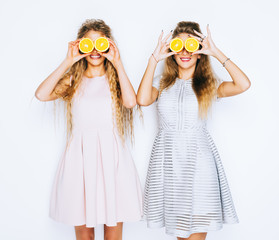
[(204, 82), (71, 80)]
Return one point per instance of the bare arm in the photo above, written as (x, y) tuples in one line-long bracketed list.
[(147, 94), (45, 91), (240, 81), (128, 95)]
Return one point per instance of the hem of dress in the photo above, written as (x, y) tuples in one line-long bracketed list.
[(186, 234), (111, 224)]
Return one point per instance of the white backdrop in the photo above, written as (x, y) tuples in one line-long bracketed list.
[(34, 37)]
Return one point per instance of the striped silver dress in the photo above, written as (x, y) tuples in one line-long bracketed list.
[(186, 189)]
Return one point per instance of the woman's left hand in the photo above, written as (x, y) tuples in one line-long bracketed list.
[(208, 46), (113, 54)]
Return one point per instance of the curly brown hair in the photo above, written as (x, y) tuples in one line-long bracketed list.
[(204, 82), (70, 81)]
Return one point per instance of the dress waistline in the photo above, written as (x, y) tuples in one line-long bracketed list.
[(184, 129)]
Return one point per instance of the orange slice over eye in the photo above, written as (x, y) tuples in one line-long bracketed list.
[(101, 44), (176, 45), (86, 45), (192, 44)]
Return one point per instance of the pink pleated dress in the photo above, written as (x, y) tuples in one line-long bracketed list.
[(96, 180)]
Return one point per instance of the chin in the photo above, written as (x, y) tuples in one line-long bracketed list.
[(186, 65)]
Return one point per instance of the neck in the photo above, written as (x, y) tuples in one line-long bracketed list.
[(186, 73), (95, 71)]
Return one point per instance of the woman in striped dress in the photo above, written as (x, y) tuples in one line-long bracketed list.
[(186, 189)]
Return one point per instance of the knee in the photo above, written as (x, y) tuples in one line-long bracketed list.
[(111, 237), (85, 236)]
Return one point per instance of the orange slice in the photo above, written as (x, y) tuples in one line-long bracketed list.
[(192, 44), (101, 44), (86, 45), (176, 45)]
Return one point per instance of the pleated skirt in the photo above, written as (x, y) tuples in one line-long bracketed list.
[(96, 182)]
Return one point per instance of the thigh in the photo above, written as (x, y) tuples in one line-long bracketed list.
[(83, 232), (113, 232)]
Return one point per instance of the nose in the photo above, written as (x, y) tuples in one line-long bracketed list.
[(184, 51)]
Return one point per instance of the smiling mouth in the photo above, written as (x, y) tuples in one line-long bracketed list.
[(95, 56), (185, 59)]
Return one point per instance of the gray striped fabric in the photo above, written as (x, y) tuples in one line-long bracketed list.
[(186, 189)]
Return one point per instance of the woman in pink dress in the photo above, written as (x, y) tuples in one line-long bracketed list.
[(96, 181)]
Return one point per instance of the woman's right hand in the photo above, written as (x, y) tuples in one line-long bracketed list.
[(73, 54), (162, 50)]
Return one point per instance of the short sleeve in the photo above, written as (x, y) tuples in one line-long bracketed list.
[(156, 81), (219, 83)]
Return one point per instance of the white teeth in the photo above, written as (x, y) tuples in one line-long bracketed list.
[(92, 56)]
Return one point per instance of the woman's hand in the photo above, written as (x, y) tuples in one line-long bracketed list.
[(240, 81), (113, 54), (73, 54), (208, 46), (162, 50)]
